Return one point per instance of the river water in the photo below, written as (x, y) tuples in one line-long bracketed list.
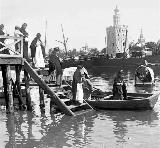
[(97, 129)]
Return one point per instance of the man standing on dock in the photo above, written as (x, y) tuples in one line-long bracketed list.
[(25, 40), (54, 61)]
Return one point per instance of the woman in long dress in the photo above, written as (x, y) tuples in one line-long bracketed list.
[(78, 90), (36, 52)]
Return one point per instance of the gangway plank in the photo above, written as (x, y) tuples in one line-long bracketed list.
[(63, 107)]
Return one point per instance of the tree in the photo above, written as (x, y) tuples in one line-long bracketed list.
[(94, 51), (152, 46), (104, 50)]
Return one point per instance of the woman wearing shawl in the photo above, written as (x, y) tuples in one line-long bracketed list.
[(36, 52), (79, 83)]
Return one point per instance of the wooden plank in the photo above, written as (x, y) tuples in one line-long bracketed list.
[(44, 72), (11, 60)]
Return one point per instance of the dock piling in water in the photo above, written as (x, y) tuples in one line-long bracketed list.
[(7, 84)]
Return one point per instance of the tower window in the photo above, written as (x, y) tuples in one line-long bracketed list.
[(113, 44)]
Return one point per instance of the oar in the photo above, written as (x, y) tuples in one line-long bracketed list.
[(83, 99)]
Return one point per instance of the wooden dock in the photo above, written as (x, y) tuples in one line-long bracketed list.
[(12, 89)]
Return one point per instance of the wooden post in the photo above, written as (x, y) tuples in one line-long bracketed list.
[(41, 94), (18, 69), (7, 83), (27, 89)]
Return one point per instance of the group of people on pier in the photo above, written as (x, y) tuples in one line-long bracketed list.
[(37, 49)]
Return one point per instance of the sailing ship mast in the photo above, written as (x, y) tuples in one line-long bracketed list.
[(45, 40), (64, 41)]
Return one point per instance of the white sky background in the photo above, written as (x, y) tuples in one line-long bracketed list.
[(84, 21)]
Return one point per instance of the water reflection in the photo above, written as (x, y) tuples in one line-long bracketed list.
[(70, 131), (124, 120), (27, 130)]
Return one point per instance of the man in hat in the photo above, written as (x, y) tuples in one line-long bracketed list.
[(55, 64), (17, 34), (25, 40)]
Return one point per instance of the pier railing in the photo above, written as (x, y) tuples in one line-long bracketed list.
[(14, 45)]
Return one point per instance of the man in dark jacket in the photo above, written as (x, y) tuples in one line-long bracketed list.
[(55, 63), (25, 40)]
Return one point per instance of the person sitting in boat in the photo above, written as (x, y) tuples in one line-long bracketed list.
[(119, 87), (77, 83)]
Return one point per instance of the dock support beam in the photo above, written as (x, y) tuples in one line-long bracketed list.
[(41, 95), (7, 83), (27, 89), (18, 69)]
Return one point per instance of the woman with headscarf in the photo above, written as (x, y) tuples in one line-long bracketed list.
[(80, 84), (36, 52)]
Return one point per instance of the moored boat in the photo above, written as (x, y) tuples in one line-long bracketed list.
[(144, 76), (135, 101)]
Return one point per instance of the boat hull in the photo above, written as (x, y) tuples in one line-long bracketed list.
[(135, 102)]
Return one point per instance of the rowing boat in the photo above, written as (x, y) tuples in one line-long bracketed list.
[(135, 101)]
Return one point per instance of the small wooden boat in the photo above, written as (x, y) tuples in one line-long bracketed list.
[(135, 101)]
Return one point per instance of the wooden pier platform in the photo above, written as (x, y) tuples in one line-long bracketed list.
[(18, 61)]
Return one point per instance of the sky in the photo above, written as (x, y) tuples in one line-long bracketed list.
[(84, 21)]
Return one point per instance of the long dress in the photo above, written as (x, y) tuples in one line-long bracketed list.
[(38, 59), (77, 85)]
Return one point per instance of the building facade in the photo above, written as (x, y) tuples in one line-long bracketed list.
[(116, 36)]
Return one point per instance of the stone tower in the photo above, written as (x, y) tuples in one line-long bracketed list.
[(116, 36)]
